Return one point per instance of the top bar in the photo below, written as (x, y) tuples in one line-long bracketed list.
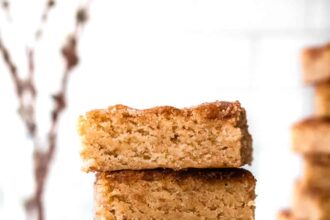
[(211, 135)]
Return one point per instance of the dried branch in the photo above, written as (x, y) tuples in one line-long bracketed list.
[(26, 93), (25, 88), (43, 159)]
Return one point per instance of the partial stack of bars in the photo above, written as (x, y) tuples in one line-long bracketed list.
[(311, 138), (169, 163)]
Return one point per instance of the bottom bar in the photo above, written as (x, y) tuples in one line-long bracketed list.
[(185, 195), (310, 203)]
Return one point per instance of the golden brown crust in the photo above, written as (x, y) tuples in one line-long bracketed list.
[(314, 53), (316, 65), (219, 110)]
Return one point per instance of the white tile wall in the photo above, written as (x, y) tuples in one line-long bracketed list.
[(318, 14), (145, 53)]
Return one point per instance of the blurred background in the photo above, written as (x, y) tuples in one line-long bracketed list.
[(150, 52)]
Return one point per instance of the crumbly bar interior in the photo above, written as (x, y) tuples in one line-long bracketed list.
[(151, 195)]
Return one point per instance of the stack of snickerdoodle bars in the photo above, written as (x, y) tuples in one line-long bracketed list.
[(169, 163), (311, 138)]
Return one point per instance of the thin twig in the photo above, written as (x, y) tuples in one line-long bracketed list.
[(24, 91), (5, 5), (44, 18)]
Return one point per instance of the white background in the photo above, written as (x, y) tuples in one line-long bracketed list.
[(152, 52)]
